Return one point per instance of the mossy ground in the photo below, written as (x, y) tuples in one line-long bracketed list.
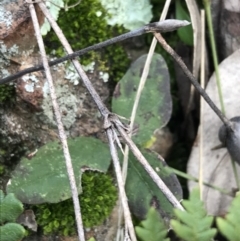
[(97, 201), (85, 25)]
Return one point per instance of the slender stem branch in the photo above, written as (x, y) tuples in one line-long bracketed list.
[(214, 52), (142, 82), (202, 81), (216, 67), (234, 166), (189, 177), (123, 197), (102, 108), (161, 185), (141, 85), (164, 26), (201, 91), (62, 135)]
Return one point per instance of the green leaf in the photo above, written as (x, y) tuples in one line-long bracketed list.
[(91, 239), (11, 232), (54, 7), (56, 224), (155, 106), (182, 231), (229, 227), (186, 33), (193, 224), (44, 178), (143, 193), (153, 228), (10, 208), (227, 230), (207, 235)]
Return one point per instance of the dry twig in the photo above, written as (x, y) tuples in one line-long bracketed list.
[(62, 135), (165, 26), (137, 99), (193, 80)]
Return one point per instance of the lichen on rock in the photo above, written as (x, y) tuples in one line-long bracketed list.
[(68, 105)]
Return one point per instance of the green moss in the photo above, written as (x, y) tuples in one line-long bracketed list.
[(6, 93), (97, 201), (82, 27)]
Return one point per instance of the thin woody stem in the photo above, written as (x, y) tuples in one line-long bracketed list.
[(193, 80), (164, 26), (62, 135), (142, 160), (117, 167)]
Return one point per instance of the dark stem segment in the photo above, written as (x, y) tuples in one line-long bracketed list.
[(163, 26), (201, 91)]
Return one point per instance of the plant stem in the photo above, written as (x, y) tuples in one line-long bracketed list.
[(214, 52), (189, 177), (121, 182), (193, 80), (202, 81), (62, 135), (141, 85), (215, 62), (235, 173), (164, 26), (136, 152)]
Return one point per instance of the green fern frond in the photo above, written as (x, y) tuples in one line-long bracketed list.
[(153, 228), (193, 224), (229, 227)]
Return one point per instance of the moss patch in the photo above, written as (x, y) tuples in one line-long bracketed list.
[(97, 201), (85, 25), (7, 92)]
